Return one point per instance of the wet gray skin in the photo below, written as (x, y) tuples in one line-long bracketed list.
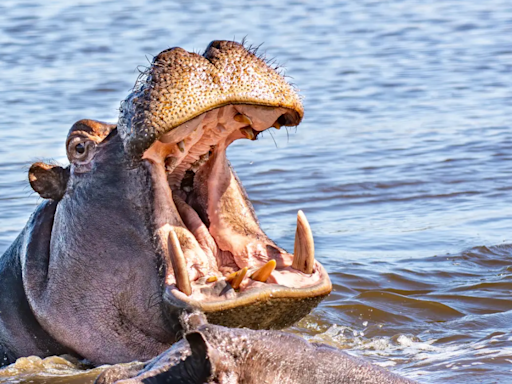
[(215, 354), (149, 219)]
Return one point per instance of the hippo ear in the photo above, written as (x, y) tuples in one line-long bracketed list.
[(196, 368), (50, 181), (198, 345)]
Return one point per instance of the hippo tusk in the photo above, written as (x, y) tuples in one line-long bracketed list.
[(249, 133), (179, 264), (181, 146), (264, 272), (304, 248), (241, 118)]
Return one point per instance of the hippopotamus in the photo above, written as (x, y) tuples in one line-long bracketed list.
[(214, 354), (150, 219)]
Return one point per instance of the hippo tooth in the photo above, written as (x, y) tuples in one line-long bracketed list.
[(276, 125), (264, 272), (239, 277), (230, 277), (241, 118), (304, 249), (249, 133), (212, 279), (181, 146), (179, 264)]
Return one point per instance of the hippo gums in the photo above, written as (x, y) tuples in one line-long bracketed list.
[(150, 219)]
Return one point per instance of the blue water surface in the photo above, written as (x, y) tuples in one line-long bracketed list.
[(403, 163)]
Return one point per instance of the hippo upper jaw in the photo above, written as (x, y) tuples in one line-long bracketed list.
[(179, 122)]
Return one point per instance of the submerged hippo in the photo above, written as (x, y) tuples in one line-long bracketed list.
[(217, 355), (149, 219)]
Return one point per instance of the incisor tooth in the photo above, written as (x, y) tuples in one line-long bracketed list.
[(276, 125), (181, 146), (249, 133), (264, 272), (179, 264), (241, 118), (212, 279), (239, 277), (230, 277), (304, 249)]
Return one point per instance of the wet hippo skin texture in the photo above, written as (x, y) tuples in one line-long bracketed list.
[(214, 354), (14, 305)]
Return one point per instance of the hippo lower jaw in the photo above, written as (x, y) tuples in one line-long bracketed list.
[(217, 258)]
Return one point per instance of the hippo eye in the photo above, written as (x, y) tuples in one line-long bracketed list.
[(80, 148)]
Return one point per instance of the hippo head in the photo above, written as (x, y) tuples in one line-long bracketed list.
[(150, 218)]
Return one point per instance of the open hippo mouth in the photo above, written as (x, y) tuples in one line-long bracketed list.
[(179, 122)]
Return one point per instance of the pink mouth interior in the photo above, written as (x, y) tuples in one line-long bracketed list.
[(198, 196)]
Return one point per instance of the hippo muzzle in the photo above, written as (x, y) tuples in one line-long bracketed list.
[(179, 121)]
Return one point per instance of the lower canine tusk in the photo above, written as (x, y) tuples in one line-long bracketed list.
[(179, 264), (264, 272), (304, 249)]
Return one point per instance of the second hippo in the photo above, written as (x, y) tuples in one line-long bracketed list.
[(214, 354)]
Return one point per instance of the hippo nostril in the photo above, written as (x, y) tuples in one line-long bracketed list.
[(214, 44), (213, 48)]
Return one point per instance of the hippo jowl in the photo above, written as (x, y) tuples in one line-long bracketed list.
[(149, 218)]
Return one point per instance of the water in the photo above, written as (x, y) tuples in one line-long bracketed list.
[(403, 163)]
